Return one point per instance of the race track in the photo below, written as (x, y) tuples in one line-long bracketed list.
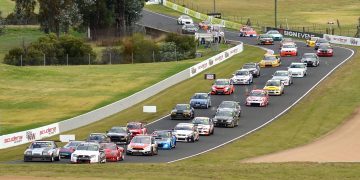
[(252, 117)]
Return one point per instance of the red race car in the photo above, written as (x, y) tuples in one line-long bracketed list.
[(247, 31), (325, 50), (113, 152), (222, 86), (288, 49), (258, 97), (136, 128)]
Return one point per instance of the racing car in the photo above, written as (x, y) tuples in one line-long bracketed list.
[(88, 152), (288, 49), (311, 59), (185, 19), (286, 41), (265, 39), (325, 51), (182, 111), (242, 76), (113, 152), (189, 29), (98, 137), (254, 68), (320, 41), (226, 118), (136, 128), (222, 86), (270, 60), (186, 132), (119, 135), (66, 151), (205, 125), (284, 76), (310, 42), (247, 31), (233, 105), (274, 87), (165, 139), (142, 145), (298, 69), (275, 35), (257, 97), (204, 25), (42, 151), (200, 100)]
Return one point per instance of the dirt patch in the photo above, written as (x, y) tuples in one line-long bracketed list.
[(341, 145)]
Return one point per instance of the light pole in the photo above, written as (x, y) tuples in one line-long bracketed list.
[(214, 7), (275, 13)]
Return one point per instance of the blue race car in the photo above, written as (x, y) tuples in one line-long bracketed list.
[(165, 139), (200, 100)]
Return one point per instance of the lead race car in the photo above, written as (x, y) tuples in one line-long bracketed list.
[(88, 152), (142, 145), (247, 31), (42, 151)]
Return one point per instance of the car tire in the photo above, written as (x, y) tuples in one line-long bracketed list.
[(237, 123), (57, 158), (52, 159), (192, 139)]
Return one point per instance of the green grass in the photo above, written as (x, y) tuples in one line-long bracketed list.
[(35, 96), (182, 90), (295, 13)]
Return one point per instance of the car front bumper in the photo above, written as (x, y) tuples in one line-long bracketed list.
[(37, 157), (255, 103), (84, 159)]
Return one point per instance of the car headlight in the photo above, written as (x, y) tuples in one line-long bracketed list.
[(215, 120), (46, 153), (147, 148), (229, 120), (186, 112), (213, 88), (28, 152), (129, 147)]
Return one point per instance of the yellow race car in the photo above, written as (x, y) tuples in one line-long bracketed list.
[(270, 60), (311, 41), (274, 87)]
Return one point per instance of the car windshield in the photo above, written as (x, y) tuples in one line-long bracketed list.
[(141, 139), (269, 58), (96, 137), (248, 66), (182, 128), (222, 82), (227, 104), (40, 145), (308, 56), (88, 147), (281, 73), (273, 83), (181, 107), (134, 126), (204, 121), (257, 93), (111, 146), (273, 32), (242, 73), (265, 36), (297, 66), (288, 46), (161, 134), (72, 144), (117, 130), (200, 96), (224, 113)]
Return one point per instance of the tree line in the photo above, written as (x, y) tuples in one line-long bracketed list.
[(57, 16)]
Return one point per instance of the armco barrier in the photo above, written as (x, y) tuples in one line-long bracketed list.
[(201, 16), (10, 140)]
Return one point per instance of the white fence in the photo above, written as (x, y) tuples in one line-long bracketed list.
[(23, 137)]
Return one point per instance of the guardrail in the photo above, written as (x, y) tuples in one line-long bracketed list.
[(23, 137), (201, 16)]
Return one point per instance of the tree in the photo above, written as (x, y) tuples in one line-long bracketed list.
[(24, 10), (133, 10)]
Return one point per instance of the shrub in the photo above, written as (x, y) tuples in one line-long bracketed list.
[(185, 45), (115, 54), (139, 49), (13, 57), (167, 51)]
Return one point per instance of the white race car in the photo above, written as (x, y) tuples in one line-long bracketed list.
[(186, 132), (88, 152), (283, 76), (242, 76), (42, 151), (298, 69), (204, 125), (185, 19)]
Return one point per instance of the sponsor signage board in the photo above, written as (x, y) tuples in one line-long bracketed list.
[(342, 40)]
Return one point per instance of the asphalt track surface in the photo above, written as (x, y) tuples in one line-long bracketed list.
[(252, 118)]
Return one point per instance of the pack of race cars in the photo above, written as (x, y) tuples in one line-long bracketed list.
[(105, 147)]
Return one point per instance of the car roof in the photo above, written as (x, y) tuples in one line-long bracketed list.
[(202, 118), (261, 90), (134, 123), (281, 71), (185, 124)]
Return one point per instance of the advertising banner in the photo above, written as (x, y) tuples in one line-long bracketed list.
[(342, 40), (23, 137), (295, 34)]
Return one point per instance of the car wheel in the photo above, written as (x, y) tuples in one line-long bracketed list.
[(122, 156), (213, 130), (52, 159), (192, 139), (57, 158)]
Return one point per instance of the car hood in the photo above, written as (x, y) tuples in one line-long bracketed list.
[(162, 140), (221, 86), (268, 38), (255, 98), (276, 35), (84, 152), (307, 59), (271, 87), (296, 69), (288, 49), (223, 118), (66, 150), (183, 132), (203, 126), (116, 134), (39, 150), (138, 145), (134, 130), (241, 77)]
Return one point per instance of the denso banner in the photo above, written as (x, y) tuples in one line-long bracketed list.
[(342, 40), (23, 137), (196, 69), (296, 34)]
